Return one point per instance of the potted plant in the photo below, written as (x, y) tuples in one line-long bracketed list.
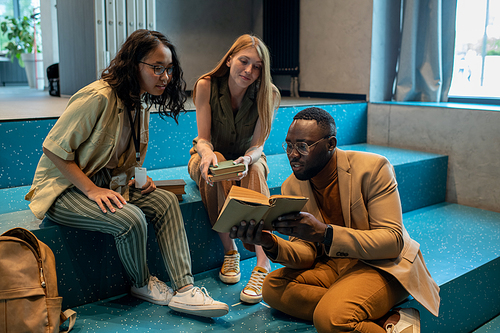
[(20, 34)]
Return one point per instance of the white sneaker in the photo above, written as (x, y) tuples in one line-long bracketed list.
[(155, 291), (230, 271), (198, 302), (409, 322), (252, 293)]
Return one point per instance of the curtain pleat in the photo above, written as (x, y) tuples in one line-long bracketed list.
[(425, 65)]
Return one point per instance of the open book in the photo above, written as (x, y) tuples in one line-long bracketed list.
[(244, 205), (225, 170)]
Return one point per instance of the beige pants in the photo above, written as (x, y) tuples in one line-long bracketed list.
[(213, 197), (337, 294)]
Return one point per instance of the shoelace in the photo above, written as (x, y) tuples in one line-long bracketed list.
[(161, 286), (256, 280), (231, 263), (390, 328), (203, 291)]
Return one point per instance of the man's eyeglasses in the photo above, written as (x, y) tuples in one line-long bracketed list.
[(159, 70), (302, 147)]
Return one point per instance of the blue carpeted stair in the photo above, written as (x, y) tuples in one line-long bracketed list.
[(460, 244)]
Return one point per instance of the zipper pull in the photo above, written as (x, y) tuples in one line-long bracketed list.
[(41, 277)]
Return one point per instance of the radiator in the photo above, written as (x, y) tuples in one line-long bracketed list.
[(281, 34), (115, 20)]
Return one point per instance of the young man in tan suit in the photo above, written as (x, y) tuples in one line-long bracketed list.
[(349, 260)]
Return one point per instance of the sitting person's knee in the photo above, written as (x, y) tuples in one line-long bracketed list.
[(135, 225), (326, 320), (273, 288)]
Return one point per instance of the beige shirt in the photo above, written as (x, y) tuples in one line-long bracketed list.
[(87, 132)]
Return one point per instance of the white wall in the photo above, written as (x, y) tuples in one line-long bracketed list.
[(48, 26), (469, 135), (335, 46)]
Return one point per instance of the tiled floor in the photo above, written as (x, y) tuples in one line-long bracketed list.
[(21, 102)]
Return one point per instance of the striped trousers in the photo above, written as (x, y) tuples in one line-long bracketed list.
[(128, 226)]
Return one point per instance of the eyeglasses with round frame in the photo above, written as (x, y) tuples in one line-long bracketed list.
[(302, 147), (159, 70)]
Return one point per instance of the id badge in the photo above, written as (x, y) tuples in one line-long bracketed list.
[(140, 177)]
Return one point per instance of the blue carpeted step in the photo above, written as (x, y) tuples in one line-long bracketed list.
[(460, 246), (421, 176), (169, 143), (78, 252), (125, 313), (493, 326), (12, 199)]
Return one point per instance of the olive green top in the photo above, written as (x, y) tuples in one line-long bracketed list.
[(232, 132)]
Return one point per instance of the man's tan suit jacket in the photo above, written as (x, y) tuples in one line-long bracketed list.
[(373, 232)]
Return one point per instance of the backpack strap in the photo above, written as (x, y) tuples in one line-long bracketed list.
[(68, 314)]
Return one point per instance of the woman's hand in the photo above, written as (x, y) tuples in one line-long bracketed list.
[(208, 158), (150, 185), (105, 197), (246, 160)]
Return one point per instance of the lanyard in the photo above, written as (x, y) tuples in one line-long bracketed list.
[(136, 137)]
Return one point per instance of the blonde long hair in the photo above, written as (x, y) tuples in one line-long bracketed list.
[(268, 96)]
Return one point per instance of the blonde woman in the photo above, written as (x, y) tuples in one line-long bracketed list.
[(235, 104)]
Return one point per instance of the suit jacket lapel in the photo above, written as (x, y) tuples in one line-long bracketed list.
[(343, 167)]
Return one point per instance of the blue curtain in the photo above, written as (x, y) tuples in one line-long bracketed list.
[(425, 64)]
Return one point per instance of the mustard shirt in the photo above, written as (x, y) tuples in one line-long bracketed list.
[(87, 132)]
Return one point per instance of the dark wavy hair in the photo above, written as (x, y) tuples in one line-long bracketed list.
[(122, 74), (323, 118)]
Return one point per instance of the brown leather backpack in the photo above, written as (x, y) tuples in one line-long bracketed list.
[(29, 301)]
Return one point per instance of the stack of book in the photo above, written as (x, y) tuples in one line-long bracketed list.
[(176, 186), (225, 170)]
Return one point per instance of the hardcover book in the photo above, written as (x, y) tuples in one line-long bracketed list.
[(243, 204), (176, 186), (225, 170)]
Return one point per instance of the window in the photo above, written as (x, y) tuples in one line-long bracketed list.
[(18, 9), (476, 74)]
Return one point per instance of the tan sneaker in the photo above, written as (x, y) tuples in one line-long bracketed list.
[(252, 293), (230, 271)]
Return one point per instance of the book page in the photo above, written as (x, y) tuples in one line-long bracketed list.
[(281, 205), (236, 211), (247, 195), (243, 204)]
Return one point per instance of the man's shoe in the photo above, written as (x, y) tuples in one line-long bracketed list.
[(409, 322), (230, 271), (155, 291), (252, 293), (198, 302)]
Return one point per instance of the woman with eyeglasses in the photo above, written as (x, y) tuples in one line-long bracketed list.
[(235, 104), (88, 176)]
